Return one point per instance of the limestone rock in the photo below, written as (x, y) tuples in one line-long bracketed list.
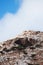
[(25, 49)]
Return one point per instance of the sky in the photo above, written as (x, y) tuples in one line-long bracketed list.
[(10, 6), (20, 15)]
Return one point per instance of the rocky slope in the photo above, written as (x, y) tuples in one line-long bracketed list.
[(25, 49)]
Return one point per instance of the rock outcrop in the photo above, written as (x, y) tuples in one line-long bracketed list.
[(25, 49)]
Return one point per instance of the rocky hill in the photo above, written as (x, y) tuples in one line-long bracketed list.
[(25, 49)]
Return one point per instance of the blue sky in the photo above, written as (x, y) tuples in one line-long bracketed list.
[(19, 15), (10, 6)]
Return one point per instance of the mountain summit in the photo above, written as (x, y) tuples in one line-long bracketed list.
[(25, 49)]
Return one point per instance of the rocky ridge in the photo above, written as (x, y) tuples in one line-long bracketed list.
[(25, 49)]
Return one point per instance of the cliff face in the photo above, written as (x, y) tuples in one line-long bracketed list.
[(25, 49)]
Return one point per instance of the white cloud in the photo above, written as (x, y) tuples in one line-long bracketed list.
[(28, 17)]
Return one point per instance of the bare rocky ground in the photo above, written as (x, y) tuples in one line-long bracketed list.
[(25, 49)]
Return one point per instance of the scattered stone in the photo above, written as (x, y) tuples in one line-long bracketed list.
[(25, 49)]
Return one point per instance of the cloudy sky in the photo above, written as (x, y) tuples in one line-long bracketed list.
[(19, 15)]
